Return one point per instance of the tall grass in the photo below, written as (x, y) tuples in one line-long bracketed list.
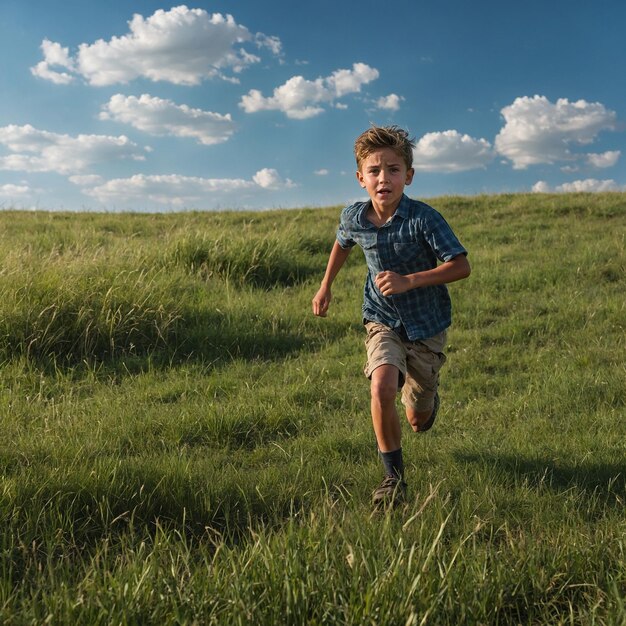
[(183, 443)]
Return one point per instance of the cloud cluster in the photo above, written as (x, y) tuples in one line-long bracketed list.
[(36, 150), (539, 131), (163, 117), (184, 46), (181, 46), (179, 190), (300, 98), (587, 185), (536, 131)]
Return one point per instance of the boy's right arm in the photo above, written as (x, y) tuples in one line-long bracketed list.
[(321, 301)]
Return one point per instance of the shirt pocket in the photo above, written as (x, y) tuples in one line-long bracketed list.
[(406, 248), (408, 255)]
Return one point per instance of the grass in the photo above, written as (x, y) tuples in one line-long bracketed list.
[(184, 443)]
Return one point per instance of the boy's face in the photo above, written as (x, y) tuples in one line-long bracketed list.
[(383, 174)]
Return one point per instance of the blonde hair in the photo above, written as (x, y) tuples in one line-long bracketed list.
[(378, 137)]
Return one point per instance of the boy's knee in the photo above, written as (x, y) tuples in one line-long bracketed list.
[(385, 383), (384, 389), (417, 418)]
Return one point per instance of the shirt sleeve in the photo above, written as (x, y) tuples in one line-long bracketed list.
[(344, 236), (441, 238)]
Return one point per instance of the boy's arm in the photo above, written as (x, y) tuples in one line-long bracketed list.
[(391, 283), (337, 258)]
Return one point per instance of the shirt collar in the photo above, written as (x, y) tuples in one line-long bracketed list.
[(363, 221), (403, 208), (401, 211)]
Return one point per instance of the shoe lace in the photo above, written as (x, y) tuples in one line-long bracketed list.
[(389, 481)]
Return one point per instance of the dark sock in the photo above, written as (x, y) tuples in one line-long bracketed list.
[(394, 465)]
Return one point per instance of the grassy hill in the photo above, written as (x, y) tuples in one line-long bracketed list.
[(184, 443)]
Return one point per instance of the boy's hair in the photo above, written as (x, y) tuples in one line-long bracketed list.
[(378, 137)]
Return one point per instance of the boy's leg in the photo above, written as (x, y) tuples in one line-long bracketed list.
[(385, 368), (417, 419), (419, 394), (384, 388)]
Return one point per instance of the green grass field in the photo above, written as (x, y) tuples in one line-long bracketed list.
[(184, 443)]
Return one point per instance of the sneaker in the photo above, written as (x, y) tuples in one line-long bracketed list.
[(427, 425), (391, 492)]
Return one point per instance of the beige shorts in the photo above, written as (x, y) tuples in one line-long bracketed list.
[(419, 363)]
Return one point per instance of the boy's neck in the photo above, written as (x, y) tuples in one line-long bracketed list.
[(378, 215)]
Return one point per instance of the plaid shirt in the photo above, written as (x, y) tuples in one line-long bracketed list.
[(413, 240)]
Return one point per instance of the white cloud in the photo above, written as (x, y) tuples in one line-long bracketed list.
[(570, 169), (270, 179), (86, 180), (42, 151), (164, 189), (291, 98), (182, 46), (538, 131), (450, 151), (541, 186), (587, 185), (344, 82), (604, 159), (321, 172), (390, 102), (14, 191), (176, 190), (300, 99), (271, 42), (164, 117), (54, 54)]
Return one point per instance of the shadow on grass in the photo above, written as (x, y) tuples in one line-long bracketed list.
[(208, 337), (603, 479), (212, 337), (76, 515)]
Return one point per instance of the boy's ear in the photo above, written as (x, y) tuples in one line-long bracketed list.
[(409, 176), (360, 178)]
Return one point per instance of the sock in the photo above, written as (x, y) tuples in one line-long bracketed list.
[(394, 465)]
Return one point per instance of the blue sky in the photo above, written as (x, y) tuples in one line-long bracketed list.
[(250, 104)]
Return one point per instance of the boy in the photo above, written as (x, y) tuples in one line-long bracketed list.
[(406, 308)]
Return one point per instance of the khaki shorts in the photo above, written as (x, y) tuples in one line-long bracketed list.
[(419, 363)]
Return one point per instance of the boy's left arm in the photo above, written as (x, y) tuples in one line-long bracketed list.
[(391, 283)]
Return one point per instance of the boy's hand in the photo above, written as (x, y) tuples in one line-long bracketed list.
[(390, 283), (321, 302)]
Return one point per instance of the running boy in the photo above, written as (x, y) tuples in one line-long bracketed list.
[(406, 308)]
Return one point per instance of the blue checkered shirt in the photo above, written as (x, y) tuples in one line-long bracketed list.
[(413, 240)]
